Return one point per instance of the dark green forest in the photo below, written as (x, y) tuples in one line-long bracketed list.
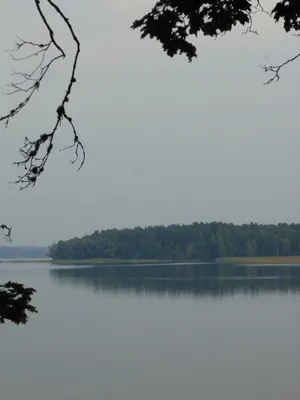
[(198, 241)]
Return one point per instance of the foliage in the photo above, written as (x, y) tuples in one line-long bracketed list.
[(198, 241), (15, 298), (15, 302), (175, 22)]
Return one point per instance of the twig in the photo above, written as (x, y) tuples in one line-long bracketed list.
[(35, 153), (7, 230), (275, 69)]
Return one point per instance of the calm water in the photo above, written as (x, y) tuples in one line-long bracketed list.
[(168, 333)]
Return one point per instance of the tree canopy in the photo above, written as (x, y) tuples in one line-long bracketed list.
[(175, 22), (198, 241)]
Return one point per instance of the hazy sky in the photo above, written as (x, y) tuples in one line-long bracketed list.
[(166, 141)]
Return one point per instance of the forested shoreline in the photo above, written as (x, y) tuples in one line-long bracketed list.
[(197, 241)]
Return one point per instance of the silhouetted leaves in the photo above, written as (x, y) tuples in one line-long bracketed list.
[(289, 12), (15, 302), (174, 22)]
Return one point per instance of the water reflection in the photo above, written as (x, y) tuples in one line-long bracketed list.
[(198, 280)]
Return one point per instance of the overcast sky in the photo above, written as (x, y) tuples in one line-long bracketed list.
[(166, 141)]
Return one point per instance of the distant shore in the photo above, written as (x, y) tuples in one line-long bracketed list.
[(105, 261), (25, 260), (90, 261), (280, 260), (275, 260)]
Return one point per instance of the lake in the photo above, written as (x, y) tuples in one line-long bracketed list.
[(154, 333)]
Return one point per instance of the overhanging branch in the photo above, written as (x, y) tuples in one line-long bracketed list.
[(35, 152)]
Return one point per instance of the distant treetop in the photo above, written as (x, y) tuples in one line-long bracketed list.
[(198, 241)]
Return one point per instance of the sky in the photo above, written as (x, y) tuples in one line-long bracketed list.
[(166, 141)]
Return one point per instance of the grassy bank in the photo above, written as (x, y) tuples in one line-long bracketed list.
[(99, 261), (25, 260), (95, 261), (292, 260), (281, 260)]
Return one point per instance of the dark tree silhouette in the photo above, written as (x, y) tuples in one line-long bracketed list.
[(15, 302), (15, 298), (174, 22)]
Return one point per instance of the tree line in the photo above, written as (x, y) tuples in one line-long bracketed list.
[(197, 241)]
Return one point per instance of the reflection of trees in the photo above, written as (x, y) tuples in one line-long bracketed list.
[(177, 280)]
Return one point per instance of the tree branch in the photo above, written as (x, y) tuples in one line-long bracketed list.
[(35, 153), (275, 69), (7, 231), (174, 22)]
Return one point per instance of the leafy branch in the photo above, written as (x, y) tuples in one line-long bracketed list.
[(174, 22)]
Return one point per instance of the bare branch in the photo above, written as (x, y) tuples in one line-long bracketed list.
[(256, 9), (51, 33), (260, 8), (7, 231), (35, 153), (275, 69)]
